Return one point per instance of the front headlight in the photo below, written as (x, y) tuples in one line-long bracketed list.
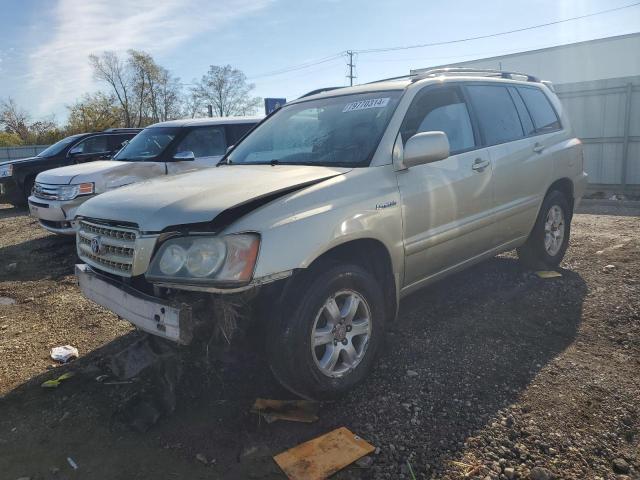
[(206, 259), (69, 192), (6, 170)]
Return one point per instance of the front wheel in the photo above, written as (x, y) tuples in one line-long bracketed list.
[(327, 340), (549, 239), (27, 188)]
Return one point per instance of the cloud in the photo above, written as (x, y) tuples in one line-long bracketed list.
[(59, 69)]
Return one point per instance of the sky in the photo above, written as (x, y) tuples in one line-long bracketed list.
[(45, 44)]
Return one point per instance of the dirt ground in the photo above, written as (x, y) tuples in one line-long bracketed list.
[(491, 374)]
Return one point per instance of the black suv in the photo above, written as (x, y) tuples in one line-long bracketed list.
[(17, 176)]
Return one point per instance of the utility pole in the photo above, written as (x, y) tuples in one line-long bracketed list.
[(351, 65)]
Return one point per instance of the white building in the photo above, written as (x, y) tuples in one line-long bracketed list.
[(598, 81)]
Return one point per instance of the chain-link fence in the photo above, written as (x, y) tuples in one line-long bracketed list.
[(11, 153)]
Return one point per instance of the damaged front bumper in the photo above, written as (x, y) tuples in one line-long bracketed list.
[(146, 312)]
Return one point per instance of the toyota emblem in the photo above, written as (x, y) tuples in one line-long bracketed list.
[(96, 245)]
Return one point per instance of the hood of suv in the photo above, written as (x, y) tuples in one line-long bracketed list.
[(20, 160), (82, 172), (199, 196)]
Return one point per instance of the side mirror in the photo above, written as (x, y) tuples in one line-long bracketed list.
[(425, 147), (185, 156), (77, 150)]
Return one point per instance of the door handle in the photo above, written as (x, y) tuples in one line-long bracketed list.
[(538, 148), (479, 164)]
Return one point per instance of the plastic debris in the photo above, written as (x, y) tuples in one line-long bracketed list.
[(73, 464), (293, 410), (548, 274), (64, 354), (7, 301), (323, 456), (57, 381)]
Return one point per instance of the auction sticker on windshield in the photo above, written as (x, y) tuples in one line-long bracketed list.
[(364, 104)]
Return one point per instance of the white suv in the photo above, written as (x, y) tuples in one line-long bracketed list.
[(331, 210), (161, 149)]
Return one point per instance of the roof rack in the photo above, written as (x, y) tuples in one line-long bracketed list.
[(319, 90), (421, 74)]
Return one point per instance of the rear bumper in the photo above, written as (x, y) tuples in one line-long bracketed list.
[(579, 187), (146, 312)]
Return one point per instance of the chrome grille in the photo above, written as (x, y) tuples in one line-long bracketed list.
[(107, 247), (46, 190)]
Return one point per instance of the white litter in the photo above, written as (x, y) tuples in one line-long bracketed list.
[(73, 464), (64, 354)]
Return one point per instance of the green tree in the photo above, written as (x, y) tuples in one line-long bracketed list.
[(94, 112)]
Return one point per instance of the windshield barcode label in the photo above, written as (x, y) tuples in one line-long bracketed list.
[(364, 104)]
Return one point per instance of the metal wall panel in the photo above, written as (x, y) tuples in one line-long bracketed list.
[(605, 115)]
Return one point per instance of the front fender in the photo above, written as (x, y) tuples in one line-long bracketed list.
[(299, 228)]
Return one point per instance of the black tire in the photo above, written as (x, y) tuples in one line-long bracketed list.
[(289, 342), (533, 254), (27, 187)]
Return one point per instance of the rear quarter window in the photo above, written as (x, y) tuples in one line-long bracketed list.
[(542, 113)]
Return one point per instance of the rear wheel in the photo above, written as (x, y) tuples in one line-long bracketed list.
[(326, 343), (549, 239)]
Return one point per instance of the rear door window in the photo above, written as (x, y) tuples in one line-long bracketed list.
[(496, 112), (543, 114), (204, 142), (444, 110), (116, 142), (93, 145)]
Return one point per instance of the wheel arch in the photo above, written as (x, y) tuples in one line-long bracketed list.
[(370, 254), (565, 186)]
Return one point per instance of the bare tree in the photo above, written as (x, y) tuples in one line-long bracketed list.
[(193, 104), (16, 122), (167, 96), (146, 91), (14, 119), (227, 90), (109, 68)]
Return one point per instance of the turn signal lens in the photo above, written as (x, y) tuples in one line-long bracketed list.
[(85, 188)]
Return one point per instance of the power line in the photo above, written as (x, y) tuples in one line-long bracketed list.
[(480, 37), (351, 53), (299, 66)]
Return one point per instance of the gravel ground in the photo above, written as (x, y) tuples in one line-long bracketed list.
[(490, 374)]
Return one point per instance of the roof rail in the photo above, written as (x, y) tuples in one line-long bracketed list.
[(421, 74), (319, 90), (124, 129), (400, 77), (549, 85)]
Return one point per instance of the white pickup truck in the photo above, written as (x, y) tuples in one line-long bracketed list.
[(161, 149)]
